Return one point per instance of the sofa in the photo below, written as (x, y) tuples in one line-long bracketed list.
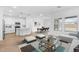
[(75, 34), (66, 41)]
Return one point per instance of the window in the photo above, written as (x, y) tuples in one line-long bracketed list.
[(71, 24), (58, 24)]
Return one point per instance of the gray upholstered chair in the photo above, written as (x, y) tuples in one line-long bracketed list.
[(66, 41)]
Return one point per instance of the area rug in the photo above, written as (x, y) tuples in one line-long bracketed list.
[(28, 48), (60, 49)]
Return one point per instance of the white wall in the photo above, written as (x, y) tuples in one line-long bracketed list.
[(1, 25), (42, 20)]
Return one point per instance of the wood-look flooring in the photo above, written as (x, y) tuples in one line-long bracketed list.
[(9, 44)]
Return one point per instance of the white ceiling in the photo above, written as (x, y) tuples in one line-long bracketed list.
[(34, 9)]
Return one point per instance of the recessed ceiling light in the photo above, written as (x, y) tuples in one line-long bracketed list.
[(10, 10), (58, 6), (14, 6), (41, 14)]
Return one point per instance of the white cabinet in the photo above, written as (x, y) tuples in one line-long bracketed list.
[(23, 31), (10, 29)]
